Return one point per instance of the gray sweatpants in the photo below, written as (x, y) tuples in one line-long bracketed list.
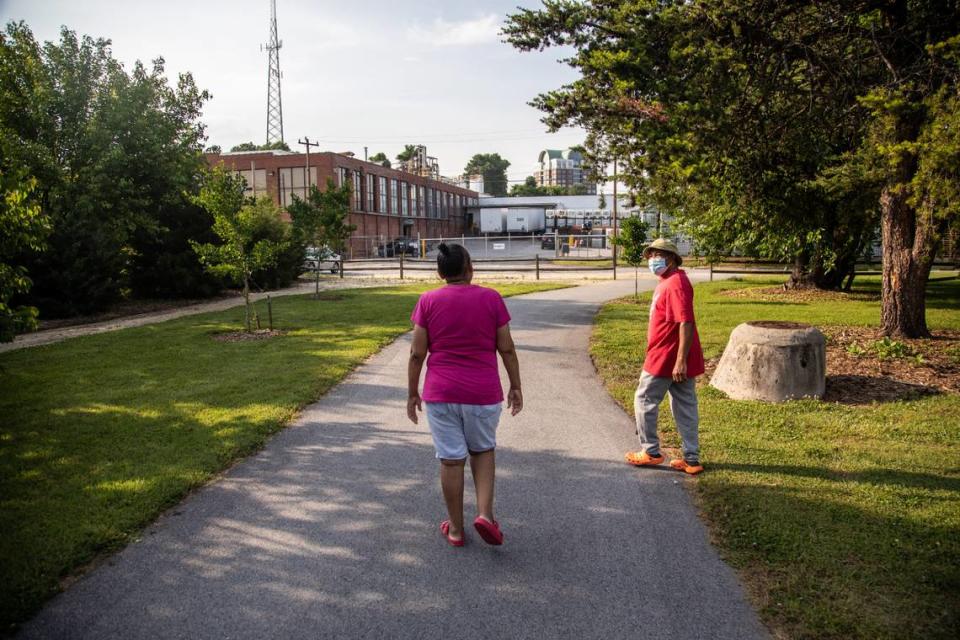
[(683, 404)]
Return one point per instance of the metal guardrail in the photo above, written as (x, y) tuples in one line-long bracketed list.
[(554, 264)]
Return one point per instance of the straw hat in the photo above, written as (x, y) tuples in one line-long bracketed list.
[(663, 245)]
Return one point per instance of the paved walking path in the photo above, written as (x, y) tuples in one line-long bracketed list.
[(331, 530)]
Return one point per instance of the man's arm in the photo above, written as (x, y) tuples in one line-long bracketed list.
[(508, 353), (686, 339), (418, 353)]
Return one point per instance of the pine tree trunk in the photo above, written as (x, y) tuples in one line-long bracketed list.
[(909, 247)]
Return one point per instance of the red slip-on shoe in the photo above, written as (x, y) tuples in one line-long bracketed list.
[(445, 530), (489, 531), (642, 459), (686, 467)]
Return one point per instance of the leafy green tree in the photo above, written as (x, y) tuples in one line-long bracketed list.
[(277, 145), (335, 216), (409, 150), (381, 159), (531, 188), (214, 148), (494, 171), (321, 220), (240, 226), (784, 133), (306, 217), (630, 241), (115, 156), (22, 226), (912, 146)]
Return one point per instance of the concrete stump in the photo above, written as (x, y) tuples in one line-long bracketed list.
[(773, 361)]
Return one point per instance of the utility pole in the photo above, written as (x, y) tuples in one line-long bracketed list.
[(306, 175), (614, 218)]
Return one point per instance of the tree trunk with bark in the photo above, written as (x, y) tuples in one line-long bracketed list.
[(800, 276), (909, 248)]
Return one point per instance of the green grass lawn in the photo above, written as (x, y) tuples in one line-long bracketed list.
[(100, 434), (844, 521), (595, 264)]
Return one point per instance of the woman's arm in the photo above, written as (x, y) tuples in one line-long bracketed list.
[(508, 353), (418, 353)]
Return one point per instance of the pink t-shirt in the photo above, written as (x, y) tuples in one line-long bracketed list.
[(461, 322)]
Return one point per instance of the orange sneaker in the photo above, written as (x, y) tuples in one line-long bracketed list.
[(683, 465), (642, 459)]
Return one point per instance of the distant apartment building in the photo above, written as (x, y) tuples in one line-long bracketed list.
[(562, 168), (386, 203)]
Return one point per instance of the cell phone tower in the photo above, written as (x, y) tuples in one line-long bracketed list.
[(274, 103)]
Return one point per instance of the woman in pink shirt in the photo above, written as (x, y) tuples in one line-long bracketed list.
[(463, 327)]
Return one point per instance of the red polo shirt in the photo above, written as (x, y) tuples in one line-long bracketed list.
[(672, 304)]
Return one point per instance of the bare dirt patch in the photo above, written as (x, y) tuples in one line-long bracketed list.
[(857, 374), (246, 336)]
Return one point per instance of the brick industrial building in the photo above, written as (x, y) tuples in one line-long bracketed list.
[(386, 203)]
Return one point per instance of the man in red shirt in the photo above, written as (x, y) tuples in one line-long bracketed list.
[(674, 360)]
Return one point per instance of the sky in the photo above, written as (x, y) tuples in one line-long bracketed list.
[(374, 73)]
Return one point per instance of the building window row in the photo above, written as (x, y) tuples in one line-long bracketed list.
[(292, 184), (379, 194)]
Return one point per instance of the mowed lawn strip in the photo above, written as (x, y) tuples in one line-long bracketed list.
[(100, 434), (844, 521)]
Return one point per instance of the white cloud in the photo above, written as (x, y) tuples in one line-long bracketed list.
[(441, 33)]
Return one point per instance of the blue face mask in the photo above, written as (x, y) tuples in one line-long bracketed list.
[(657, 265)]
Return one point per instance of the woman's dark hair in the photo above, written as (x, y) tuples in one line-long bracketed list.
[(452, 260)]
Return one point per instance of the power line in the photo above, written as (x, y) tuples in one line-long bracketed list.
[(436, 134)]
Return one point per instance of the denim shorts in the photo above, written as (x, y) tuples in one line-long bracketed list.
[(461, 429)]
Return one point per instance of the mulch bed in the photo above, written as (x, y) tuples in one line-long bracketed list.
[(779, 294), (931, 366), (856, 372), (246, 336)]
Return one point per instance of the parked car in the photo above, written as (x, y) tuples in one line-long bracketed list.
[(398, 246), (548, 242), (318, 258)]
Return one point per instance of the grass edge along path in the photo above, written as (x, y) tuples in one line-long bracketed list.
[(102, 433), (842, 521)]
